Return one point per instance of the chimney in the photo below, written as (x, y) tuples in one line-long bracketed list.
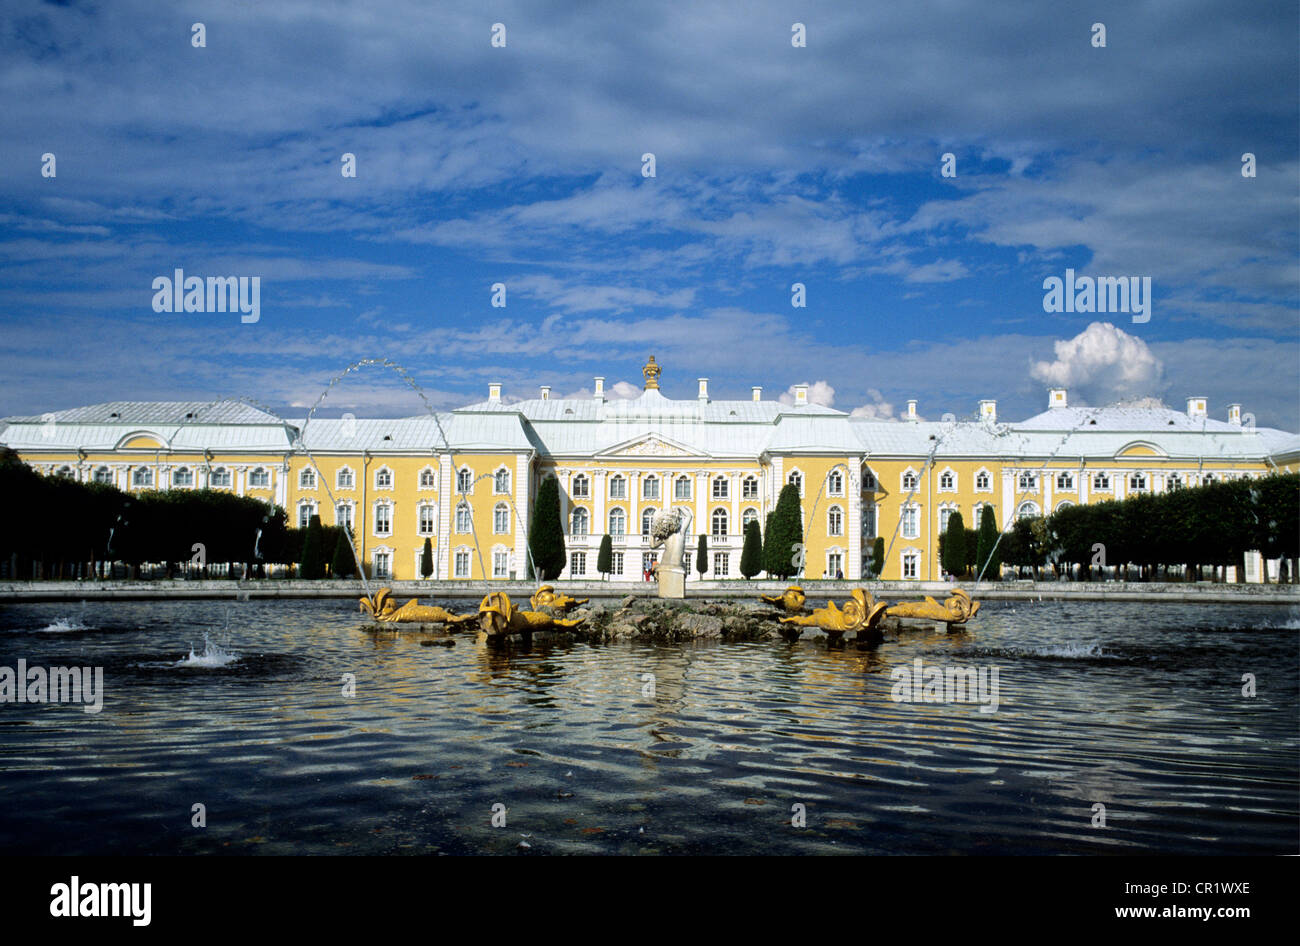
[(1196, 407), (1234, 414), (546, 392), (704, 390), (989, 411), (494, 392), (911, 409), (801, 395), (1056, 397), (600, 389), (758, 393)]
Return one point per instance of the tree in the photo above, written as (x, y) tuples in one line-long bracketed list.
[(313, 553), (751, 556), (952, 554), (878, 556), (785, 535), (426, 558), (546, 537), (605, 558), (702, 555), (343, 564), (987, 561)]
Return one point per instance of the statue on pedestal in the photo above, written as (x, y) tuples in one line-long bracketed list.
[(670, 530)]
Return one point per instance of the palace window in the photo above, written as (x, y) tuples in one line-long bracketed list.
[(104, 475), (719, 487), (426, 478), (220, 477), (647, 520), (500, 564), (142, 476), (719, 521), (577, 564), (183, 476), (383, 478), (501, 482), (869, 481), (383, 518), (1028, 481), (461, 564), (911, 522), (748, 516), (869, 521), (1207, 478), (648, 560), (581, 487), (383, 565), (1027, 510), (1065, 481), (343, 515), (259, 478), (721, 564), (617, 487), (501, 519), (982, 482), (795, 479), (835, 521), (464, 480), (345, 479), (1137, 482), (910, 481), (307, 478), (650, 487), (835, 483), (947, 482), (834, 565), (463, 524), (616, 563), (944, 516), (617, 522), (911, 565), (580, 522), (686, 563), (1175, 481), (428, 519), (749, 488), (682, 488), (1100, 481), (305, 512), (1063, 504)]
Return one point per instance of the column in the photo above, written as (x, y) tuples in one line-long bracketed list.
[(853, 519), (1008, 497), (446, 512), (521, 514)]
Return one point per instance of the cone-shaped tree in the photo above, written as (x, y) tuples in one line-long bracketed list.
[(605, 558), (953, 556), (785, 535), (313, 552), (343, 565), (426, 558), (751, 557), (702, 555), (546, 537), (987, 559), (878, 556)]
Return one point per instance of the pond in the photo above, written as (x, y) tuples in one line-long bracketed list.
[(708, 747)]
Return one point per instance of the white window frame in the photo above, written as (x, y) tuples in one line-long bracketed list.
[(350, 482), (498, 511)]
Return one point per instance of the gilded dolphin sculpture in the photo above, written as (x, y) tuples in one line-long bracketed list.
[(382, 607), (547, 597), (497, 615), (957, 609), (790, 600), (860, 613)]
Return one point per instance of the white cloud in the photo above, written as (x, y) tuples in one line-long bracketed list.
[(1100, 364), (819, 392), (875, 409)]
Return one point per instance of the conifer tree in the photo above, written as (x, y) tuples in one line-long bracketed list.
[(953, 557), (343, 565), (785, 534), (546, 537), (605, 558), (313, 552), (702, 555), (987, 559), (751, 556), (426, 558)]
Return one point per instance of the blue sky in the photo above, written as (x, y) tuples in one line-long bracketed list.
[(774, 165)]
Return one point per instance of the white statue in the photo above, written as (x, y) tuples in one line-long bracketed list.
[(670, 530)]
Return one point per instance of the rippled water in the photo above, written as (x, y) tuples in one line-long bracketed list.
[(1136, 707)]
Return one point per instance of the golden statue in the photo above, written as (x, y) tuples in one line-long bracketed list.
[(790, 600), (497, 616), (382, 607), (651, 372), (957, 609), (547, 597), (861, 613)]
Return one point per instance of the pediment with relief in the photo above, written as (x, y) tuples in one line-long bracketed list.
[(651, 445)]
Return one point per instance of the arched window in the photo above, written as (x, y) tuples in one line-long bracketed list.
[(1028, 481), (982, 481), (305, 512), (1207, 478), (345, 479), (1100, 481), (944, 515), (501, 481), (307, 478), (720, 487), (1065, 481), (909, 481), (719, 523), (501, 519), (220, 477), (428, 519), (835, 483), (142, 476), (1137, 482), (1027, 510), (426, 478), (911, 522), (104, 475), (384, 518), (647, 520), (183, 476), (1175, 481), (580, 522), (1063, 504), (259, 478), (947, 482), (748, 516), (869, 481), (617, 487), (617, 521), (795, 479), (835, 521), (383, 478), (464, 480), (581, 488), (462, 518), (682, 488), (343, 515), (650, 487)]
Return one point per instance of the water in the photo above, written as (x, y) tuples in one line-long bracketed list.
[(239, 707)]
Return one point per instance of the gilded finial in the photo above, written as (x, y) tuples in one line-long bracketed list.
[(651, 372)]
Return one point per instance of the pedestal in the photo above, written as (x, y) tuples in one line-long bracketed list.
[(672, 581)]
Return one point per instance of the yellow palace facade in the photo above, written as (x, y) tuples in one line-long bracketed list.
[(466, 479)]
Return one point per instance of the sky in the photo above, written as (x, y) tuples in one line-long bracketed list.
[(775, 164)]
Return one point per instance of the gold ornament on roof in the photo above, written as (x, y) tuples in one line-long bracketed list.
[(651, 372)]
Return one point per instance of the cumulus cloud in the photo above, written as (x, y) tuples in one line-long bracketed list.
[(819, 392), (875, 409), (618, 391), (1102, 364)]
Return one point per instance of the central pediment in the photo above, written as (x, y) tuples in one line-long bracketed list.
[(650, 445)]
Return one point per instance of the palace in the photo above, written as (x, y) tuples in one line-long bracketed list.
[(465, 479)]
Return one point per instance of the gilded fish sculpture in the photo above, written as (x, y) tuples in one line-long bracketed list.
[(956, 609), (382, 607), (860, 613), (547, 597), (791, 600), (497, 615)]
